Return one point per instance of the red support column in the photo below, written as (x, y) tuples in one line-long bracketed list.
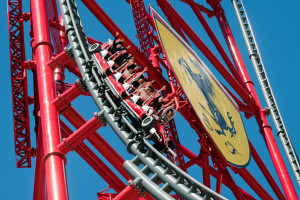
[(59, 72), (53, 159), (192, 162), (19, 83), (219, 180), (39, 177), (100, 144), (205, 170), (174, 23), (265, 128), (81, 134)]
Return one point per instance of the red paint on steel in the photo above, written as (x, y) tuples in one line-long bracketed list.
[(142, 24), (219, 181), (174, 23), (213, 172), (261, 119), (209, 13), (205, 167), (42, 49), (192, 162), (216, 42), (128, 193), (266, 172), (233, 186), (39, 189), (49, 136), (109, 153), (59, 59), (19, 84), (62, 100), (81, 134), (254, 184), (94, 161)]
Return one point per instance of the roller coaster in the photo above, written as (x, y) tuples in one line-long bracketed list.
[(139, 92)]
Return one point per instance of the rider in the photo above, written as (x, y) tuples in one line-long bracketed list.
[(115, 47), (144, 94)]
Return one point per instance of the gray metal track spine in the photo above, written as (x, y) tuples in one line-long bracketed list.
[(265, 85), (152, 162)]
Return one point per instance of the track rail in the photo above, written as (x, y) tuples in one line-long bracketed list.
[(147, 161), (265, 85)]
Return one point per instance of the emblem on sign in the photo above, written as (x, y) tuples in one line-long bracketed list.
[(213, 105)]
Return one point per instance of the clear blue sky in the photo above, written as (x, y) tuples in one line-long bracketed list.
[(276, 27)]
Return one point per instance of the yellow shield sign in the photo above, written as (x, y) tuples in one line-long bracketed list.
[(213, 105)]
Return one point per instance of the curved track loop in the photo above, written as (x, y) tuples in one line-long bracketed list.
[(149, 168)]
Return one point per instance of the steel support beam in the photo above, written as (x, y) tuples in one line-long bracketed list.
[(59, 59), (254, 184), (205, 169), (213, 172), (128, 193), (265, 128), (266, 173), (94, 161), (215, 41), (109, 153), (174, 23), (42, 50), (233, 186), (219, 181), (71, 142), (39, 177), (63, 100), (19, 83)]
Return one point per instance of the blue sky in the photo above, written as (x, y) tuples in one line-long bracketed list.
[(277, 33)]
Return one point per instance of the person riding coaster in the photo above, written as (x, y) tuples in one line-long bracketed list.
[(117, 51), (156, 126), (115, 54), (114, 47), (126, 72), (113, 69), (166, 115), (117, 61), (141, 94), (137, 83), (154, 101)]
